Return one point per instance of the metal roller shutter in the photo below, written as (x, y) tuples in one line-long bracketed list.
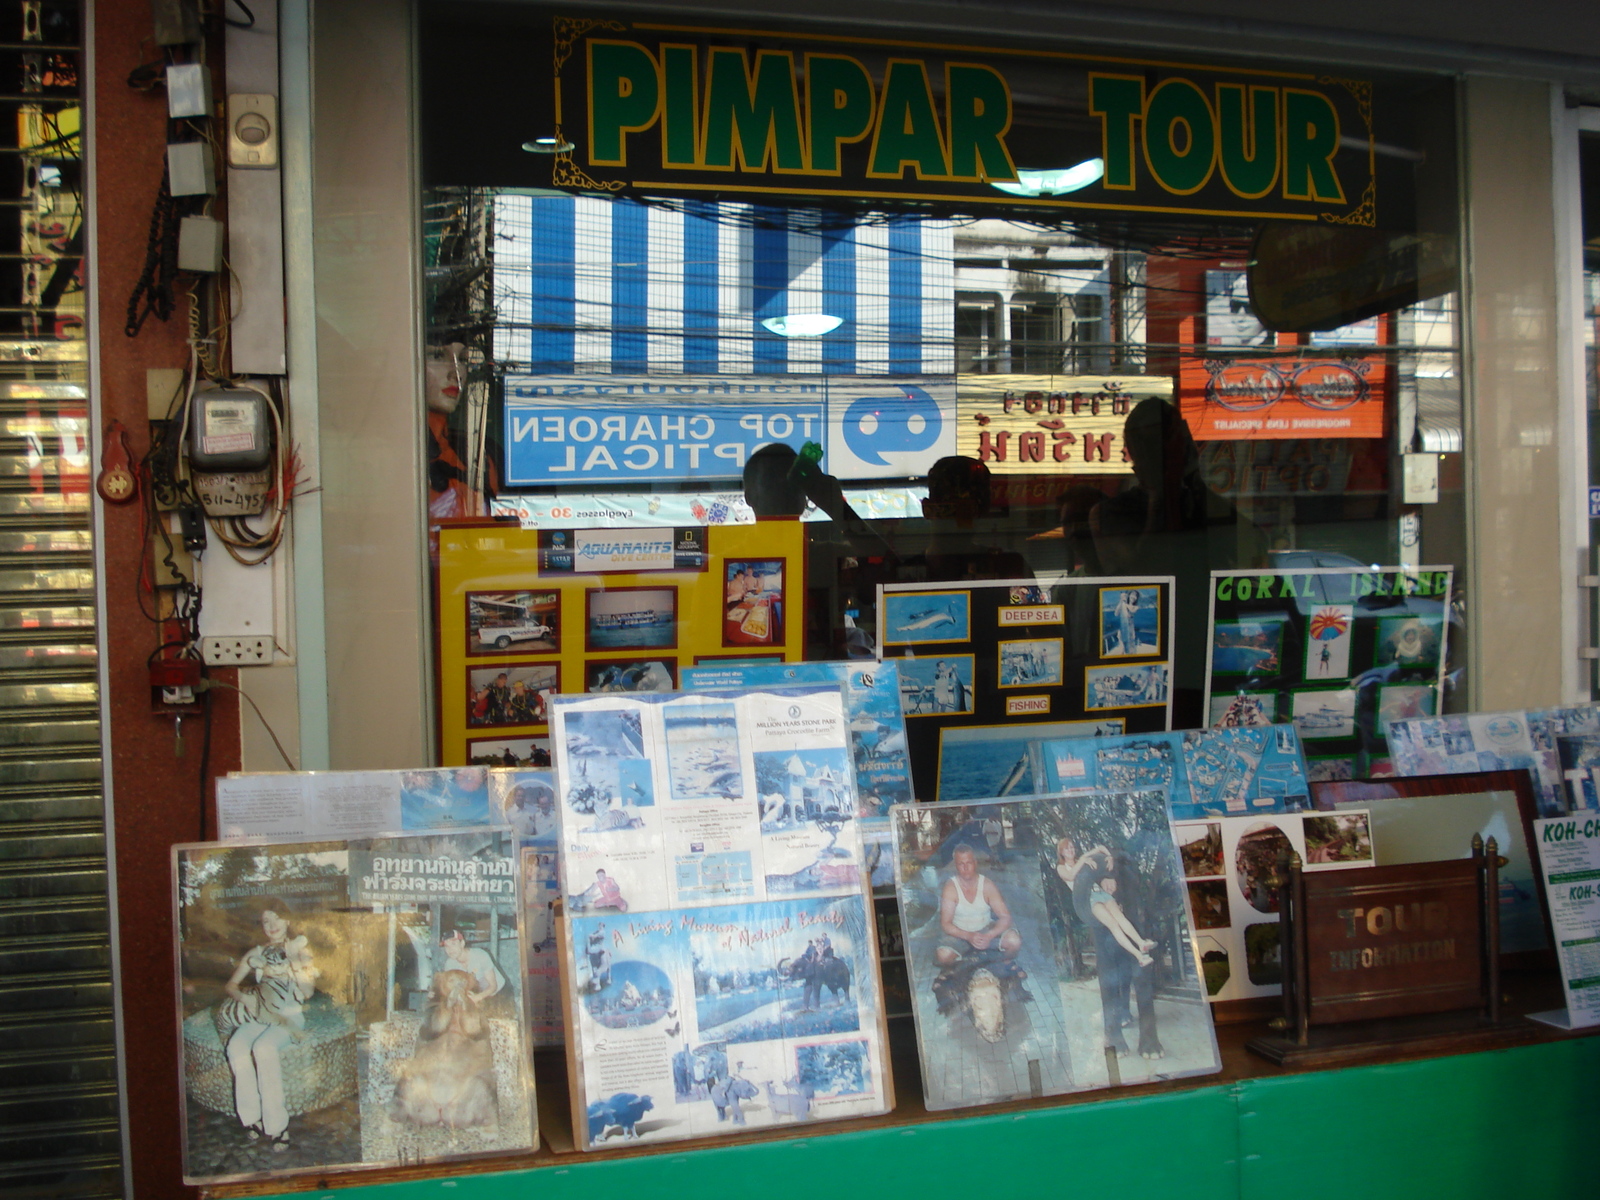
[(59, 1126)]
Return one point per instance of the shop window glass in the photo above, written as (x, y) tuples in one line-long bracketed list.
[(1279, 446)]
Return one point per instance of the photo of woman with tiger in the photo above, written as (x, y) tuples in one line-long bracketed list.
[(263, 1013)]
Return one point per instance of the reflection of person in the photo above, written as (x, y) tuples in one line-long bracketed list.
[(1171, 523), (486, 977), (960, 491), (284, 980), (778, 483), (973, 915)]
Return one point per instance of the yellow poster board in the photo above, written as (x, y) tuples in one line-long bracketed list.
[(516, 625)]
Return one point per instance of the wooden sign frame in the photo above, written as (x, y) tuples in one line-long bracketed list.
[(1458, 971)]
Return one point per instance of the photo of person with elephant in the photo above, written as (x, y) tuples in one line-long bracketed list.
[(1048, 945)]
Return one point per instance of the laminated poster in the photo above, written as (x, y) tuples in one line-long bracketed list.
[(877, 737), (1227, 867), (1053, 957), (350, 1003), (354, 804), (1505, 741), (1021, 651), (1338, 652), (1204, 772), (720, 966)]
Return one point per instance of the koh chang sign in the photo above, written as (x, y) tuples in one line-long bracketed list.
[(1050, 424), (623, 429), (664, 108)]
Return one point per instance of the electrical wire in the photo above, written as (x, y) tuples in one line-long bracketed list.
[(205, 755), (282, 753)]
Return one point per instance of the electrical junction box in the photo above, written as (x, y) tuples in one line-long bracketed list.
[(188, 90), (230, 431), (200, 245), (190, 170), (252, 131)]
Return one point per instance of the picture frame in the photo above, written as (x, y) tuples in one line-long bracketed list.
[(937, 686), (511, 695), (755, 601), (643, 674), (926, 618), (630, 618), (1030, 663), (1130, 615), (531, 752), (518, 621), (1129, 685)]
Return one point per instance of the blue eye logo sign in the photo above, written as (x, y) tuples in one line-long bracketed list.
[(874, 425)]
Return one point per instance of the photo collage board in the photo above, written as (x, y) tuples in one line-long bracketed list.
[(1228, 867), (528, 614), (350, 1003), (720, 960), (1048, 947), (1022, 650), (1559, 747), (354, 804), (1338, 652)]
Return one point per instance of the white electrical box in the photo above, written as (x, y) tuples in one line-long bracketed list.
[(252, 131), (200, 245), (190, 169), (1420, 478), (188, 90)]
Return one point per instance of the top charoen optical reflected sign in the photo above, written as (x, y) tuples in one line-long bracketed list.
[(665, 108)]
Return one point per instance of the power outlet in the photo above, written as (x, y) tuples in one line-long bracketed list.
[(236, 651)]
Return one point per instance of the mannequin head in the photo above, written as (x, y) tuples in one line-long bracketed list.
[(445, 374)]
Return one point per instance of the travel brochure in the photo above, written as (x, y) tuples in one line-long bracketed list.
[(877, 737), (1204, 772), (350, 1003), (1569, 855), (721, 964)]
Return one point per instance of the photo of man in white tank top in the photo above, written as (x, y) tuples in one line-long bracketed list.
[(972, 913)]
